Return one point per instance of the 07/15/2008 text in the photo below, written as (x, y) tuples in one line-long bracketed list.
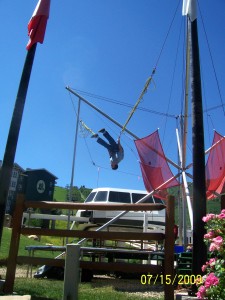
[(168, 279)]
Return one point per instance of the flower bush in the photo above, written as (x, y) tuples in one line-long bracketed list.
[(212, 286)]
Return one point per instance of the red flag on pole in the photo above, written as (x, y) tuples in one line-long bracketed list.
[(38, 22)]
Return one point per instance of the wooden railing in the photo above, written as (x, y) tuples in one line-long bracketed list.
[(168, 237)]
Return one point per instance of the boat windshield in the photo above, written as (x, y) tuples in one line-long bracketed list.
[(90, 197), (101, 196)]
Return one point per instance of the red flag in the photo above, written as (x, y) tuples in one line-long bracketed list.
[(38, 22)]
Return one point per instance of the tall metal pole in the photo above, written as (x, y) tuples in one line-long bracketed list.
[(184, 131), (185, 186), (13, 135), (199, 187), (73, 163), (74, 151)]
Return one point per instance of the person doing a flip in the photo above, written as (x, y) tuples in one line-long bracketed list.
[(116, 152)]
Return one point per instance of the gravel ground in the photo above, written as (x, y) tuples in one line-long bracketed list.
[(132, 286), (20, 272)]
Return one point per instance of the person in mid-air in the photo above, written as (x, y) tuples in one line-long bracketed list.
[(116, 152)]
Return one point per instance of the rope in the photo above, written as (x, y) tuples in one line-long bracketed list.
[(212, 61), (164, 120), (139, 100), (121, 103), (89, 152), (153, 72)]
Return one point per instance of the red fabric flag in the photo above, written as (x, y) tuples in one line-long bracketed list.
[(215, 167), (38, 22), (154, 167)]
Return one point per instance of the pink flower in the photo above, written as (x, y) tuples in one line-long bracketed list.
[(212, 262), (208, 217), (221, 216), (201, 292), (211, 280), (209, 235), (204, 267), (214, 247), (218, 240)]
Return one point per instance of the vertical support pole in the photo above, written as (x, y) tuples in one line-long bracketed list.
[(169, 250), (72, 272), (199, 181), (14, 244), (13, 135), (73, 167)]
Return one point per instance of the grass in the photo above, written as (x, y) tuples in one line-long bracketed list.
[(25, 241), (5, 244), (39, 288), (53, 289), (60, 194)]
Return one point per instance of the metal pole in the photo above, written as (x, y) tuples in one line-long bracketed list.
[(199, 184), (208, 150), (72, 272), (101, 112), (73, 164), (74, 151), (186, 189), (185, 123), (13, 135), (114, 121)]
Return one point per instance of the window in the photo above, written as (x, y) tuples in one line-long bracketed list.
[(158, 201), (90, 197), (119, 197), (101, 196), (13, 184), (14, 174), (149, 200), (136, 197)]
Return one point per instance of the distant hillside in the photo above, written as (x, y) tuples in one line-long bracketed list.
[(78, 194), (212, 206)]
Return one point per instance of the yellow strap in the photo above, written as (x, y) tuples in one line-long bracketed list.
[(139, 100)]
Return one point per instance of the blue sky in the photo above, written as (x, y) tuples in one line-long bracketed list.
[(106, 48)]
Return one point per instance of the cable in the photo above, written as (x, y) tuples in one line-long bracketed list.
[(110, 100), (214, 70), (167, 35), (172, 83), (128, 173), (151, 76)]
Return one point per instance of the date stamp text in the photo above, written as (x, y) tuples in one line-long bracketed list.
[(150, 279)]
